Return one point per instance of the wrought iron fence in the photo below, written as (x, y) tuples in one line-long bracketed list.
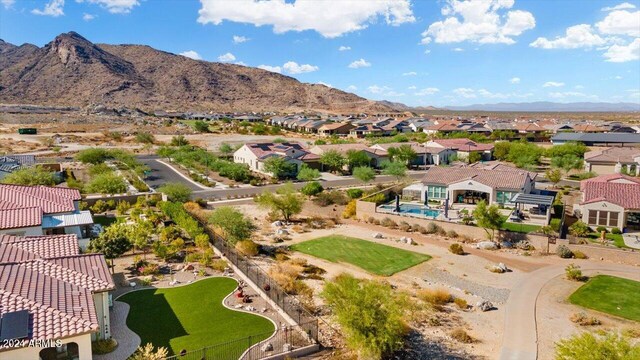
[(250, 348)]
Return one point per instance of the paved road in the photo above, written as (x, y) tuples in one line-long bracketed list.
[(162, 174), (520, 339)]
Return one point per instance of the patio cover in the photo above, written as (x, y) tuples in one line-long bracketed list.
[(64, 220), (532, 199)]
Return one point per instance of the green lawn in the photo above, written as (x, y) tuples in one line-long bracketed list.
[(611, 295), (104, 220), (521, 228), (372, 257), (192, 317), (616, 238)]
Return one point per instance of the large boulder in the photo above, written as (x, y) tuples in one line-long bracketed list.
[(267, 347), (484, 305), (282, 232), (486, 245), (377, 236)]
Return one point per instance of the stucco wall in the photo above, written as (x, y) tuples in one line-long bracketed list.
[(603, 206), (117, 198)]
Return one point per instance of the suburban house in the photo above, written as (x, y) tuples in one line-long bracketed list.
[(588, 128), (363, 130), (611, 201), (495, 184), (256, 154), (425, 155), (613, 161), (443, 127), (463, 147), (335, 128), (43, 210), (376, 155), (11, 163), (50, 292), (597, 139)]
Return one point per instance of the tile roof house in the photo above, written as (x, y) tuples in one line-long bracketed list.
[(363, 130), (335, 128), (424, 155), (255, 155), (613, 160), (611, 201), (43, 210), (463, 147), (63, 294), (377, 155), (469, 184)]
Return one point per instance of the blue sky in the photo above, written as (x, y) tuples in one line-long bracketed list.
[(445, 52)]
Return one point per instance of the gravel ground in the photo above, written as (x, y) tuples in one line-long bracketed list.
[(436, 276)]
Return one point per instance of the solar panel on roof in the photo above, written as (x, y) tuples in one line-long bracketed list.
[(14, 325)]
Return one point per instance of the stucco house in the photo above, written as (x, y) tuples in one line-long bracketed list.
[(256, 154), (425, 155), (495, 184), (611, 201), (376, 155), (335, 128), (43, 210), (49, 292), (613, 160), (463, 147)]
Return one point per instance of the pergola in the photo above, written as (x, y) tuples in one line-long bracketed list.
[(543, 202)]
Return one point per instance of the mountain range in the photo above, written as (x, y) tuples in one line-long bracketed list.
[(546, 106), (72, 71)]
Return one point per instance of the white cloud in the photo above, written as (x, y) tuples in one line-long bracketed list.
[(465, 92), (191, 54), (623, 53), (620, 22), (427, 52), (566, 94), (469, 93), (622, 6), (240, 63), (514, 80), (479, 21), (275, 69), (88, 17), (293, 67), (324, 83), (7, 3), (228, 57), (115, 6), (375, 89), (412, 87), (427, 91), (578, 36), (553, 84), (618, 77), (352, 88), (410, 73), (458, 49), (344, 48), (324, 16), (240, 39), (52, 8), (359, 64)]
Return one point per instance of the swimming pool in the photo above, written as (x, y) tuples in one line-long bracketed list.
[(413, 209)]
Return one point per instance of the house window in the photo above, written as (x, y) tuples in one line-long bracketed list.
[(602, 218), (613, 218), (593, 217), (437, 192), (503, 197)]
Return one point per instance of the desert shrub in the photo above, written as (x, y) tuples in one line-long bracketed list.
[(577, 254), (371, 219), (418, 228), (349, 210), (609, 346), (281, 257), (564, 252), (387, 222), (600, 229), (247, 247), (460, 335), (404, 226), (312, 188), (583, 319), (376, 222), (456, 248), (377, 198), (432, 228), (122, 207), (435, 296), (150, 269), (218, 265), (632, 332), (461, 303), (573, 272), (103, 346), (579, 229), (452, 234), (99, 207), (355, 193), (616, 231)]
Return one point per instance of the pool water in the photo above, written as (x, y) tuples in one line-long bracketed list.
[(413, 209)]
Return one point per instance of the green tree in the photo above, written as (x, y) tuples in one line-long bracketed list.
[(364, 173), (312, 188), (488, 218), (107, 183), (524, 154), (356, 158), (201, 126), (139, 234), (474, 157), (226, 149), (93, 156), (576, 149), (308, 174), (403, 154), (202, 241), (285, 201), (145, 138), (279, 167), (333, 160), (567, 162), (611, 346), (371, 315), (553, 175), (176, 192), (396, 169), (233, 223), (113, 242), (35, 175), (579, 228), (179, 140)]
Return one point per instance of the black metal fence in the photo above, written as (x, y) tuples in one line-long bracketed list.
[(250, 348)]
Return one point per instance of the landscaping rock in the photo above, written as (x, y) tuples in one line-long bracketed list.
[(267, 347), (495, 269), (506, 244), (277, 223), (503, 267), (286, 347), (484, 305), (377, 236), (282, 232), (487, 245), (524, 245)]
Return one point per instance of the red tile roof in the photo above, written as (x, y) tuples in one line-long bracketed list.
[(505, 178), (49, 199), (618, 189), (21, 217), (463, 144), (46, 246)]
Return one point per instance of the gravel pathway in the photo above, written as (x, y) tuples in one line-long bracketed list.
[(128, 341), (441, 277)]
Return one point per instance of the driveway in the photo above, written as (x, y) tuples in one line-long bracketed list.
[(520, 339), (162, 174)]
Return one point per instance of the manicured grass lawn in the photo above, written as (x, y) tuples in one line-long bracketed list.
[(104, 220), (616, 238), (521, 228), (611, 295), (372, 257), (192, 317)]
